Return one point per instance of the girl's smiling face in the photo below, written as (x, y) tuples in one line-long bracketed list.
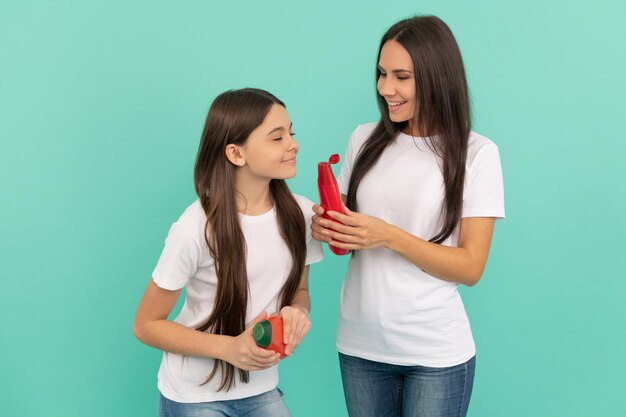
[(396, 82), (270, 151)]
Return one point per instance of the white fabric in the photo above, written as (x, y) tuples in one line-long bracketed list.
[(391, 311), (186, 262)]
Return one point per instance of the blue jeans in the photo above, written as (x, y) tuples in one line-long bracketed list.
[(375, 389), (269, 404)]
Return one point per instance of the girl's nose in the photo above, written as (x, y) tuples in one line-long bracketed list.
[(293, 146)]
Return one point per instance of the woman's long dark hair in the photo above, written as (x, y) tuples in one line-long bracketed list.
[(231, 118), (442, 107)]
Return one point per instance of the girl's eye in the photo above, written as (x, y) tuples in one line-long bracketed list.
[(403, 78), (293, 133), (280, 138), (383, 75)]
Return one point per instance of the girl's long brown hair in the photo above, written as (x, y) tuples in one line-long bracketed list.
[(231, 118), (442, 107)]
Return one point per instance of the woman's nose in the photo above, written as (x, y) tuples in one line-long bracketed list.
[(385, 87)]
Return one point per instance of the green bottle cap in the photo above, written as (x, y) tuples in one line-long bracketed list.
[(262, 333)]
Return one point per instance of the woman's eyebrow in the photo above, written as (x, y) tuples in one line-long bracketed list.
[(396, 70)]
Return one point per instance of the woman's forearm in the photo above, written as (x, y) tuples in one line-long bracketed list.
[(444, 262)]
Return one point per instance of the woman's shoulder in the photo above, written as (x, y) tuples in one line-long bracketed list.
[(359, 136), (363, 131), (480, 145), (478, 142)]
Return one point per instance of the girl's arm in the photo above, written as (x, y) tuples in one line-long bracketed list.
[(152, 328), (463, 264), (296, 322)]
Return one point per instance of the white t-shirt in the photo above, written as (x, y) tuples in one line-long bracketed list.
[(186, 262), (392, 311)]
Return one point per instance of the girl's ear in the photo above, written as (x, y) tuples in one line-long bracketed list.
[(233, 154)]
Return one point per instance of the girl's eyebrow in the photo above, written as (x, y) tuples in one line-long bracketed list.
[(279, 128), (395, 71)]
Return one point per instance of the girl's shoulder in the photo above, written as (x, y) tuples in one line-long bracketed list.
[(305, 204), (193, 221)]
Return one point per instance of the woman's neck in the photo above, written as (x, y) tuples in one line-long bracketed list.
[(412, 129), (253, 194)]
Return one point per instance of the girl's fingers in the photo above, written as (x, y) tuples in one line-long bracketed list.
[(261, 354), (299, 335)]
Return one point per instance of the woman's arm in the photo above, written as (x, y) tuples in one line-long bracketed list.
[(463, 264), (152, 328), (296, 321)]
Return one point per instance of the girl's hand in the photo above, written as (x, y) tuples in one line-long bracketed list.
[(355, 231), (296, 325), (243, 352)]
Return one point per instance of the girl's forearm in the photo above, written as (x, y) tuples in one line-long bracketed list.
[(302, 299), (174, 337)]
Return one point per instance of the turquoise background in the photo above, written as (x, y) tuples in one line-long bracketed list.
[(101, 110)]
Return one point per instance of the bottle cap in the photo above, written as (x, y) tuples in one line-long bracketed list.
[(262, 333)]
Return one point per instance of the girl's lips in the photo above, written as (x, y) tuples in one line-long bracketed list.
[(290, 161)]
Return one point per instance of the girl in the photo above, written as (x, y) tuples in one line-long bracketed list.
[(241, 251), (422, 193)]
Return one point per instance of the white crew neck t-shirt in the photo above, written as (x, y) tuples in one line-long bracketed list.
[(392, 311), (186, 262)]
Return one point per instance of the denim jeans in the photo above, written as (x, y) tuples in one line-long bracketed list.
[(269, 404), (375, 389)]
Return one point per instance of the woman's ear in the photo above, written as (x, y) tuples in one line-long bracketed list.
[(233, 154)]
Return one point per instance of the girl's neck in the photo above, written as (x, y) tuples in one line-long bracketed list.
[(253, 194)]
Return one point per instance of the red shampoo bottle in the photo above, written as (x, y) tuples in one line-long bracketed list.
[(330, 198)]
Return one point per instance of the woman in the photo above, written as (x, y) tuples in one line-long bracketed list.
[(422, 193)]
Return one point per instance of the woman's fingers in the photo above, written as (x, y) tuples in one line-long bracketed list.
[(350, 220)]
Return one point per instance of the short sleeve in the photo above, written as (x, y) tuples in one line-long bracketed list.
[(343, 181), (484, 191), (314, 251), (179, 259)]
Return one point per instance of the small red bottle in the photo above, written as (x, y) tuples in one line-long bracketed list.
[(268, 334), (330, 198)]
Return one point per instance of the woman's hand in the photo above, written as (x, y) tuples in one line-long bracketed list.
[(352, 231), (296, 325), (243, 352), (318, 228)]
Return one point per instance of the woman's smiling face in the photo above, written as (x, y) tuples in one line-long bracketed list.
[(396, 83)]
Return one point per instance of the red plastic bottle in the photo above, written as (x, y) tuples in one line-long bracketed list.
[(330, 198), (268, 334)]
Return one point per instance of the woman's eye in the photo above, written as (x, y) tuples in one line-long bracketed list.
[(293, 133), (383, 75), (403, 78)]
